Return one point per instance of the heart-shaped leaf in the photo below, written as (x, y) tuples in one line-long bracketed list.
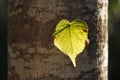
[(70, 37)]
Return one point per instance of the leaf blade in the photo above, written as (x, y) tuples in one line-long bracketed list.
[(70, 38)]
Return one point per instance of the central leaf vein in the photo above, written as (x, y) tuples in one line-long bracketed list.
[(70, 40)]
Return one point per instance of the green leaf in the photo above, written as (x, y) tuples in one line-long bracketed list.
[(70, 37)]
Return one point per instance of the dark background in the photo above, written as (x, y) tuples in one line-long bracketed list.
[(3, 39), (114, 39)]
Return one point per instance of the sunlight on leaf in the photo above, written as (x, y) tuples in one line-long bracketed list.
[(70, 37)]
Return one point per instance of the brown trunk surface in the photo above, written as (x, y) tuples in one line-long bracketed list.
[(32, 55)]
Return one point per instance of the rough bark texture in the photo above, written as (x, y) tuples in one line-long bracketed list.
[(102, 39), (32, 55)]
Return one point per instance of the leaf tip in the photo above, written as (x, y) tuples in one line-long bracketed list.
[(73, 59)]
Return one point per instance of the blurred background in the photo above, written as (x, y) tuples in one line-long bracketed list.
[(114, 39), (3, 39)]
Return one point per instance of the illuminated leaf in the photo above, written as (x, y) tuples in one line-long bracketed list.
[(70, 37)]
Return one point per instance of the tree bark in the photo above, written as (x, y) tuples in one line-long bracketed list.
[(32, 55), (102, 39)]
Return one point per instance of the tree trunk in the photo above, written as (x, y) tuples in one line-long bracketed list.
[(102, 39), (32, 55)]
